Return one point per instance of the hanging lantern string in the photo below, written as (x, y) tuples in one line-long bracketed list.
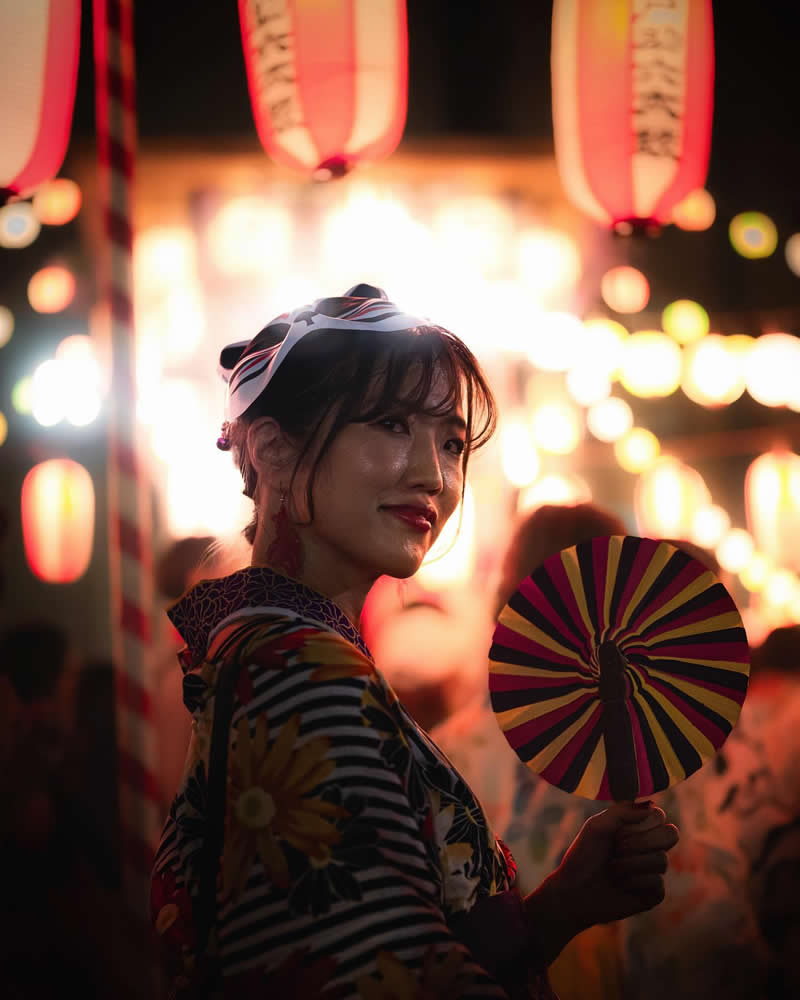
[(130, 557)]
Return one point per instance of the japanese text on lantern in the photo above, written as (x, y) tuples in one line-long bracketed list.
[(274, 62), (658, 46)]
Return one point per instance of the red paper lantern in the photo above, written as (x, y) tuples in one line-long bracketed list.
[(632, 87), (328, 81), (39, 49), (58, 520)]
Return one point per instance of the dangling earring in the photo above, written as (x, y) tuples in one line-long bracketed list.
[(285, 552)]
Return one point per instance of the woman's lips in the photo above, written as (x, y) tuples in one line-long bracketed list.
[(412, 516)]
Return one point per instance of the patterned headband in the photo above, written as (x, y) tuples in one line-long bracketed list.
[(248, 367)]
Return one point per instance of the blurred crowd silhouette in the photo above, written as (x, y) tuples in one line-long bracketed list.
[(728, 928)]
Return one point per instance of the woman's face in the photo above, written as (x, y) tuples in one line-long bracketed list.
[(385, 489)]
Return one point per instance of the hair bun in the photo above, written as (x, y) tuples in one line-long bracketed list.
[(364, 291)]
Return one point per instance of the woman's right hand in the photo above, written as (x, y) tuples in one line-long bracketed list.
[(613, 869)]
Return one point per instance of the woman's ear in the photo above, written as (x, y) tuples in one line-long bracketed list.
[(268, 448)]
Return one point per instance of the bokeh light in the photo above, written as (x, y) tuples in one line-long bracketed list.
[(549, 262), (696, 211), (713, 373), (554, 341), (175, 428), (451, 559), (651, 364), (6, 325), (754, 575), (57, 202), (175, 322), (3, 428), (250, 235), (19, 226), (557, 427), (667, 496), (51, 289), (773, 368), (475, 232), (772, 504), (48, 393), (753, 235), (735, 550), (78, 347), (625, 289), (22, 395), (685, 321), (792, 251), (709, 523), (636, 450), (163, 256), (779, 587), (520, 459), (587, 384), (353, 242), (609, 419), (82, 375), (218, 508), (554, 488), (602, 344)]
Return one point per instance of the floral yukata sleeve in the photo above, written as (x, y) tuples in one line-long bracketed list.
[(350, 842)]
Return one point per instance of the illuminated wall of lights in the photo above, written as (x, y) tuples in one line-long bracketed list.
[(238, 263), (490, 267)]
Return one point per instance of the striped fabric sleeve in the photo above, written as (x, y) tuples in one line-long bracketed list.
[(331, 880)]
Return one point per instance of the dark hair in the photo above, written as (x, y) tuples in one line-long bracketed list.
[(363, 374)]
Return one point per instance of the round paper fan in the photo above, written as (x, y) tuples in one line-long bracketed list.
[(618, 667)]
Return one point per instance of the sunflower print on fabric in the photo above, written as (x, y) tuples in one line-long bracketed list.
[(269, 804), (439, 979)]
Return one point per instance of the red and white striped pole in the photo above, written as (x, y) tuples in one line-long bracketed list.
[(130, 519)]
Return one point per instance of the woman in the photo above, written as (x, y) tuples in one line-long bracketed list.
[(354, 860)]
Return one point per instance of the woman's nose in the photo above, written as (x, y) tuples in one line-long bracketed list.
[(424, 470)]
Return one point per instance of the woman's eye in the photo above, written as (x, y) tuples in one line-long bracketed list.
[(395, 424), (456, 445)]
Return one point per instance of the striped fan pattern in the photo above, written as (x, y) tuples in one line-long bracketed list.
[(618, 667)]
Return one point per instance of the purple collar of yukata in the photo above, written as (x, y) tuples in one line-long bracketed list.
[(200, 610)]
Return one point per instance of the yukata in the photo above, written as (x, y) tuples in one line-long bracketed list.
[(356, 862)]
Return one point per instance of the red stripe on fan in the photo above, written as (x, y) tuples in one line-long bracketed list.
[(646, 781), (557, 767), (527, 731)]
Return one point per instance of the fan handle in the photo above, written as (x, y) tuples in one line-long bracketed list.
[(623, 775)]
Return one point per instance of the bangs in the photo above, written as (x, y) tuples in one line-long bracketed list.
[(405, 368)]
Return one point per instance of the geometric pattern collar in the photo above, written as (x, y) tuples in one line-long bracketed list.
[(199, 612)]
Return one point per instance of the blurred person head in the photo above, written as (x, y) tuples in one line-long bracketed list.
[(433, 648), (779, 652), (542, 533), (181, 564), (33, 655), (41, 665)]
